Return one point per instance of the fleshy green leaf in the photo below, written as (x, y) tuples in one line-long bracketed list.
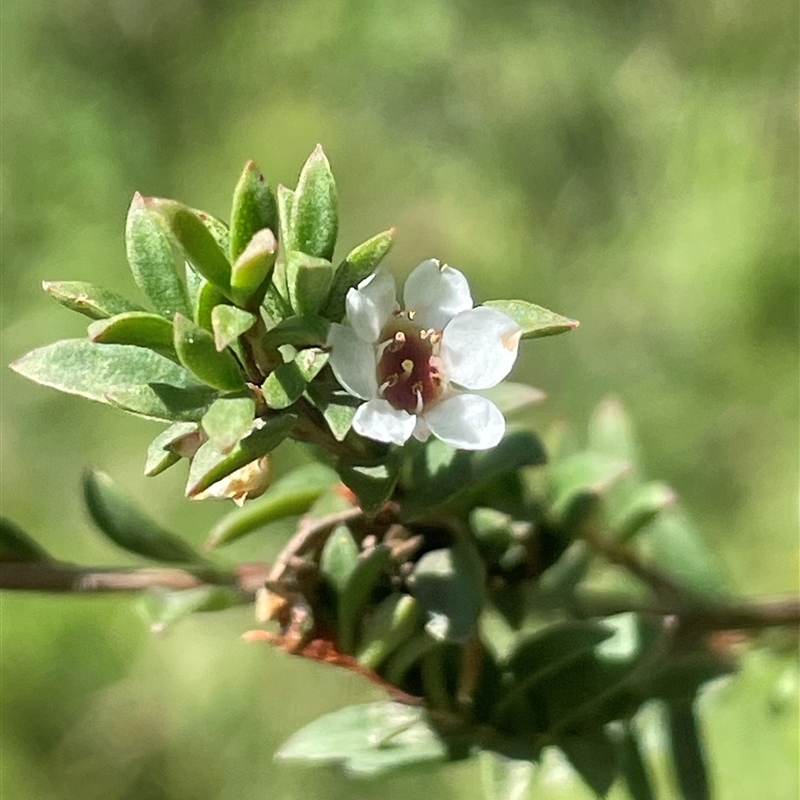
[(160, 455), (634, 766), (358, 264), (309, 362), (390, 623), (643, 505), (138, 328), (372, 485), (535, 321), (204, 297), (129, 527), (251, 271), (216, 227), (293, 494), (611, 432), (16, 546), (229, 323), (336, 406), (197, 351), (308, 280), (298, 331), (198, 243), (688, 757), (254, 208), (162, 401), (228, 419), (338, 558), (368, 739), (370, 568), (594, 757), (210, 466), (88, 299), (163, 607), (505, 778), (315, 221), (285, 198), (449, 586), (585, 473), (154, 259), (102, 372), (510, 397), (283, 386)]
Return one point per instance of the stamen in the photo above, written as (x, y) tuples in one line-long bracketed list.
[(418, 392), (411, 314), (408, 366)]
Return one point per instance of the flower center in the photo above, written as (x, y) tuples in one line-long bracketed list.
[(408, 374)]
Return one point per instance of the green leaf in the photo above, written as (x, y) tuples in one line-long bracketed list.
[(505, 778), (679, 677), (643, 505), (205, 298), (374, 485), (535, 321), (390, 623), (314, 220), (251, 271), (585, 473), (283, 386), (154, 259), (229, 323), (338, 558), (309, 362), (336, 406), (254, 208), (210, 466), (358, 264), (16, 546), (285, 199), (216, 227), (198, 243), (371, 568), (611, 432), (130, 528), (101, 371), (688, 756), (298, 331), (558, 582), (368, 739), (138, 328), (160, 455), (308, 281), (449, 586), (634, 767), (228, 419), (594, 757), (293, 494), (162, 401), (163, 607), (198, 353), (88, 299), (510, 397)]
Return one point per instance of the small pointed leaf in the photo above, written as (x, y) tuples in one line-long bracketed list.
[(308, 280), (163, 608), (298, 331), (688, 756), (309, 362), (315, 221), (229, 323), (283, 386), (160, 455), (254, 207), (594, 757), (338, 558), (534, 320), (163, 401), (285, 198), (138, 328), (16, 546), (197, 351), (372, 485), (505, 778), (510, 397), (251, 270), (227, 420), (88, 299), (634, 767)]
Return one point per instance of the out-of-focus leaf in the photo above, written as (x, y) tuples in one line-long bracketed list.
[(643, 505), (561, 578), (130, 528), (585, 473), (96, 371), (251, 270), (449, 586), (163, 607), (160, 455), (338, 558), (154, 259), (510, 397), (369, 569), (228, 419), (594, 757), (198, 353), (17, 546), (535, 321), (298, 331), (88, 299), (390, 623), (254, 208), (504, 778), (678, 677), (308, 280), (315, 220), (611, 432), (138, 328), (229, 323), (688, 756), (209, 466), (198, 243), (293, 494), (162, 401), (634, 767), (283, 386), (368, 739), (372, 485), (358, 264)]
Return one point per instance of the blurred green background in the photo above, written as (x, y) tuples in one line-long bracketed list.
[(630, 163)]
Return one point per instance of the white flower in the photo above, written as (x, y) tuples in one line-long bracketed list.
[(409, 366)]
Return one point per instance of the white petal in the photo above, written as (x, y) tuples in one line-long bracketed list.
[(353, 362), (479, 347), (467, 422), (421, 430), (380, 420), (436, 293), (370, 305)]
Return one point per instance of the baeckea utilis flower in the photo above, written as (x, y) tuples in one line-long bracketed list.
[(415, 367)]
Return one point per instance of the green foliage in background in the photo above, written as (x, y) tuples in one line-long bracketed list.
[(633, 164)]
